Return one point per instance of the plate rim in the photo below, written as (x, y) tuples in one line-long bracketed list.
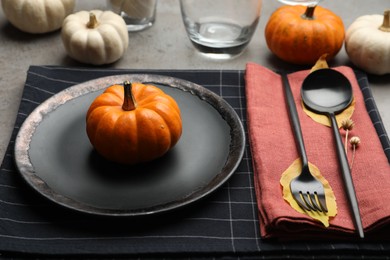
[(25, 135)]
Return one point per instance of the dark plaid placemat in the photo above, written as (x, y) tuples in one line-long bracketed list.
[(223, 224)]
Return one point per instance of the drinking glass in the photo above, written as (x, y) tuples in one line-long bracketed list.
[(220, 28), (138, 14), (300, 2)]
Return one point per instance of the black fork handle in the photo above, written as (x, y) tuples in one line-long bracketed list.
[(294, 119)]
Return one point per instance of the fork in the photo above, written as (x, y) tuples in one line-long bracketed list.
[(307, 190)]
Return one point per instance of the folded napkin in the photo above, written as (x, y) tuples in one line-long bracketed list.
[(273, 150)]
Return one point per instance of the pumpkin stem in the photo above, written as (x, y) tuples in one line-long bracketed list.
[(386, 22), (129, 102), (92, 23), (309, 13)]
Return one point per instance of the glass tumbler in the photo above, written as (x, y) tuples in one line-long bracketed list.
[(300, 2), (138, 14), (220, 28)]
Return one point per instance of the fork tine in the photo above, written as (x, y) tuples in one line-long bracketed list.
[(314, 202), (308, 201), (302, 201), (298, 197), (322, 202)]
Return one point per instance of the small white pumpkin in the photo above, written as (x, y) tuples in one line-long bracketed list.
[(96, 37), (367, 43), (37, 16)]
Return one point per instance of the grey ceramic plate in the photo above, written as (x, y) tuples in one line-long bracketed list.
[(54, 156)]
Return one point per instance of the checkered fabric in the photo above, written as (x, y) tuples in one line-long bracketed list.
[(224, 224)]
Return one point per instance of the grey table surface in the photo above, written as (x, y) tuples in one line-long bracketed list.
[(163, 46)]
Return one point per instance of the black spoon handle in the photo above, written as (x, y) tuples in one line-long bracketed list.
[(350, 190), (294, 119)]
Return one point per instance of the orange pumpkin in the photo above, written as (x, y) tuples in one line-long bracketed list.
[(133, 123), (301, 35)]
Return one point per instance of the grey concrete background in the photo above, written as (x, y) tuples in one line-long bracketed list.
[(164, 46)]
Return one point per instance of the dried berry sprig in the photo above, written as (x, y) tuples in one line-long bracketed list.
[(347, 125), (355, 142)]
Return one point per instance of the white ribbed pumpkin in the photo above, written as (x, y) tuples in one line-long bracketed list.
[(37, 16), (367, 43), (95, 37)]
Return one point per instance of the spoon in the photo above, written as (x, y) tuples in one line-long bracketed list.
[(327, 91)]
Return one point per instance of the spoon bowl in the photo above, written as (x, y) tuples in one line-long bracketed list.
[(327, 91)]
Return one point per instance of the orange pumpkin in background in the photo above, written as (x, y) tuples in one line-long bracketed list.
[(133, 123), (301, 35)]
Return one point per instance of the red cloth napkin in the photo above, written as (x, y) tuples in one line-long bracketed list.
[(273, 150)]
